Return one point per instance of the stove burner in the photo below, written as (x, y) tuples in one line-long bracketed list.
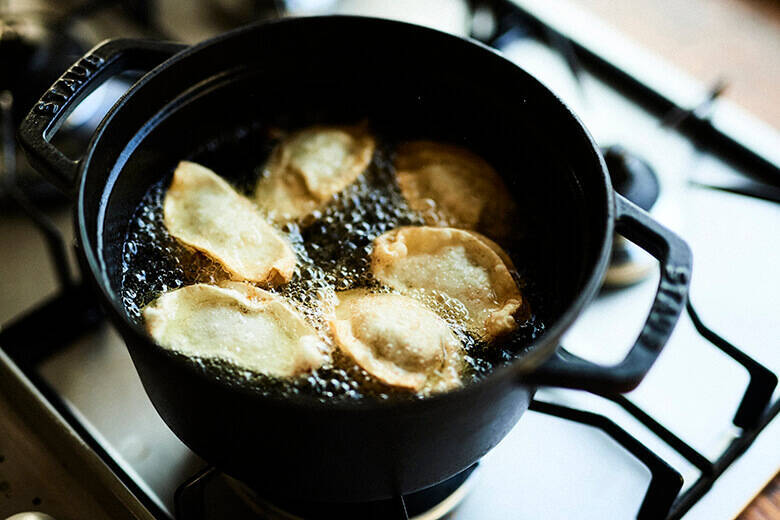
[(434, 503), (636, 180)]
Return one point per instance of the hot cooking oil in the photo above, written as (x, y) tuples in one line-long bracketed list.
[(332, 246)]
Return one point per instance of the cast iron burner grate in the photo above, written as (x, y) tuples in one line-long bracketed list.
[(58, 322), (434, 503)]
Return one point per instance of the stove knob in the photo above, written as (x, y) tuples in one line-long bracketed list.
[(632, 176), (636, 180)]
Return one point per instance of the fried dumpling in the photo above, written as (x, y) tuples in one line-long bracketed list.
[(310, 166), (497, 249), (452, 187), (453, 269), (202, 210), (238, 323), (397, 340)]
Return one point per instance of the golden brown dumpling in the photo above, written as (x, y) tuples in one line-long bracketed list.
[(397, 340), (452, 187), (310, 166), (204, 212), (451, 269), (497, 249), (239, 323)]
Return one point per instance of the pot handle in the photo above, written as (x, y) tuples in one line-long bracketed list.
[(569, 371), (81, 79)]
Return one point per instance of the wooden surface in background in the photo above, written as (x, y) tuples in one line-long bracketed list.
[(766, 506), (738, 40)]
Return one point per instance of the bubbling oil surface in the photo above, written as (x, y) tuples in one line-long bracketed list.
[(333, 247)]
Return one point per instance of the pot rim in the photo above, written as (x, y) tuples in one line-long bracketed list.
[(538, 351)]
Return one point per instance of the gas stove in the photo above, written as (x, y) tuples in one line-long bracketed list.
[(697, 440)]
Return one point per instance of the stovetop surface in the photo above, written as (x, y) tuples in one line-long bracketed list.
[(546, 467)]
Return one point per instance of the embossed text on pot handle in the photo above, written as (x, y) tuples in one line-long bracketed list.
[(81, 79)]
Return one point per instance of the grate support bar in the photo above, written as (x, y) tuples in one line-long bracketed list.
[(665, 481)]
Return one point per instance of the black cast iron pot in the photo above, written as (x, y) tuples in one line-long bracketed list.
[(402, 78)]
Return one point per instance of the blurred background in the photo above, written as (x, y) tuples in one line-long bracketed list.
[(737, 40)]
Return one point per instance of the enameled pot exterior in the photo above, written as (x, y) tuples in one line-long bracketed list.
[(399, 77)]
